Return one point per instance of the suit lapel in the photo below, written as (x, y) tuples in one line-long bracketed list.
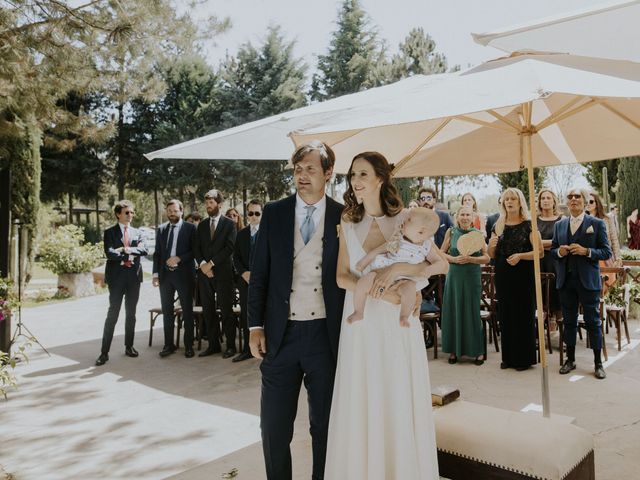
[(330, 235), (288, 225)]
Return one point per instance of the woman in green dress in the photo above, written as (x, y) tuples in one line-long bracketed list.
[(461, 323)]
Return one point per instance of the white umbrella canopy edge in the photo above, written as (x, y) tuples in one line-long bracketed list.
[(608, 30)]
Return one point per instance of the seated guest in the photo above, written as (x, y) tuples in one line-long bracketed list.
[(461, 323), (427, 198), (511, 245), (234, 215), (174, 271), (579, 242), (478, 219), (242, 259)]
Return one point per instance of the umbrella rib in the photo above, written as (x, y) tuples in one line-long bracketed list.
[(558, 118), (497, 126), (547, 121), (504, 119), (620, 114), (422, 144)]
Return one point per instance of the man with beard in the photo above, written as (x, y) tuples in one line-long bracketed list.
[(173, 270), (213, 251), (427, 198)]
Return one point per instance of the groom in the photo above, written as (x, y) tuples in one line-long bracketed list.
[(295, 309)]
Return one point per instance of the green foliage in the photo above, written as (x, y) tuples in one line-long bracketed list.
[(417, 56), (628, 194), (520, 180), (64, 251), (355, 60), (593, 173), (8, 298), (8, 363)]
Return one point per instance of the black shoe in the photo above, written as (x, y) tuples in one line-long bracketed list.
[(567, 367), (599, 372), (453, 359), (209, 351), (229, 352), (168, 350), (102, 359), (131, 352), (479, 361), (242, 356), (188, 352), (522, 369), (504, 366)]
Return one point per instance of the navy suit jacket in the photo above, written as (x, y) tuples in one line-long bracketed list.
[(272, 272), (588, 267), (112, 240), (446, 222), (184, 250)]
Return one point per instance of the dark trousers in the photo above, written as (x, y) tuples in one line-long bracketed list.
[(243, 288), (171, 283), (217, 293), (571, 295), (305, 356), (126, 286)]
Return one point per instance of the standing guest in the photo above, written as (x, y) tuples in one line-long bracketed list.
[(234, 215), (547, 218), (123, 247), (461, 323), (613, 215), (242, 259), (427, 198), (596, 209), (174, 271), (579, 242), (479, 220), (213, 249), (295, 308), (491, 221), (633, 230), (193, 217), (511, 245)]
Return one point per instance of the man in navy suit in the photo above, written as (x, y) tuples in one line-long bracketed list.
[(213, 250), (579, 242), (242, 260), (174, 271), (427, 198), (123, 247), (295, 309)]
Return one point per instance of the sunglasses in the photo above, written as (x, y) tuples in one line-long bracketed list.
[(251, 214), (129, 213), (575, 196), (426, 198)]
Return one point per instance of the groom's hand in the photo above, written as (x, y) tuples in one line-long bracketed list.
[(258, 343)]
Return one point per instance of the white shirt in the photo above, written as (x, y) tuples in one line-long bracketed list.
[(176, 231), (575, 222), (254, 229), (316, 216)]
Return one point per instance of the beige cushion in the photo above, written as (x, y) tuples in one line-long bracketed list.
[(519, 442)]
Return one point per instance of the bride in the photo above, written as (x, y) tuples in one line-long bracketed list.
[(381, 425)]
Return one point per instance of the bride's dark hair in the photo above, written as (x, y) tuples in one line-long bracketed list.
[(390, 200)]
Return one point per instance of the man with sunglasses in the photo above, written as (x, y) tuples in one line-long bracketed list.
[(579, 242), (123, 247), (427, 198), (242, 259)]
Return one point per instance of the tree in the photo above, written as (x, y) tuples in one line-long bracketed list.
[(520, 180), (417, 55), (356, 58), (628, 195), (593, 173), (561, 178)]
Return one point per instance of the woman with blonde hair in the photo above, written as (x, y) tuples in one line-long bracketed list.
[(234, 215), (511, 245), (478, 220)]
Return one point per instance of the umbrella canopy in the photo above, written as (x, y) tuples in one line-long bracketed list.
[(266, 139), (582, 109), (608, 30)]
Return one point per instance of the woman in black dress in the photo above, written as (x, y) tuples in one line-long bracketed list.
[(512, 248), (547, 217)]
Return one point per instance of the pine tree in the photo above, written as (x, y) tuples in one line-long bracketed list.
[(417, 56), (520, 180), (356, 59), (593, 173)]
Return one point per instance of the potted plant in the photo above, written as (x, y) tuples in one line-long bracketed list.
[(66, 254)]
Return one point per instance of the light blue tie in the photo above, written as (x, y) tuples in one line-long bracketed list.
[(308, 228)]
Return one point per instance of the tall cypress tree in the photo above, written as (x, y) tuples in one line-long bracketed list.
[(628, 196), (520, 180)]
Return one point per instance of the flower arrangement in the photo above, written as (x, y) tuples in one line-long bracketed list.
[(65, 251), (8, 298)]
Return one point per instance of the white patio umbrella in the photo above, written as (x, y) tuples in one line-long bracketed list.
[(607, 30), (518, 112)]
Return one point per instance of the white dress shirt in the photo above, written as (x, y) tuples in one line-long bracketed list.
[(254, 229), (176, 232), (316, 216)]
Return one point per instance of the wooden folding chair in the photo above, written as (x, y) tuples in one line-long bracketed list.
[(488, 308), (430, 320)]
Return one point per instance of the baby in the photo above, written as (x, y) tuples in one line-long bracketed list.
[(412, 247)]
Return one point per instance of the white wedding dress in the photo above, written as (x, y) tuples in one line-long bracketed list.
[(381, 425)]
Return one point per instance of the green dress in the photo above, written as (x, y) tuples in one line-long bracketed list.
[(461, 323)]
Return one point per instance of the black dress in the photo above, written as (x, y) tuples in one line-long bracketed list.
[(515, 290), (547, 265)]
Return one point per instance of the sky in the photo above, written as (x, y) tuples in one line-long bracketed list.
[(449, 22)]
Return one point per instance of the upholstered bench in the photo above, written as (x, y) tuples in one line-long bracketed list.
[(479, 442)]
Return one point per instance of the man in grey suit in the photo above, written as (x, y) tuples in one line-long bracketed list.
[(123, 247)]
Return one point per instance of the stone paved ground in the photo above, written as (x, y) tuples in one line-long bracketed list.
[(152, 418)]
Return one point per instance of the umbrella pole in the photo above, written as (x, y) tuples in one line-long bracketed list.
[(526, 133)]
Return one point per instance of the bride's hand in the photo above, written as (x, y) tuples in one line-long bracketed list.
[(384, 279)]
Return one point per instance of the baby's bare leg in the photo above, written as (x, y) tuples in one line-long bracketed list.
[(407, 291), (363, 286)]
